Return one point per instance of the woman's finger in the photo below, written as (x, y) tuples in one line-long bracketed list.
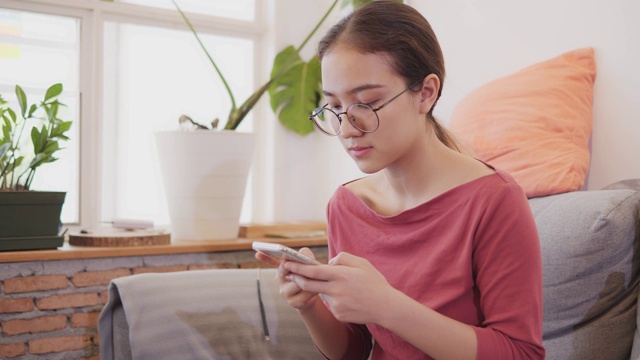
[(267, 259), (307, 284)]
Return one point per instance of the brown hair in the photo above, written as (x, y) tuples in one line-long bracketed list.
[(402, 32)]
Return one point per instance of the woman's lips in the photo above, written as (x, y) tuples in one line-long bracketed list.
[(359, 151)]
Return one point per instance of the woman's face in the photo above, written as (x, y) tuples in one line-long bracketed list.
[(349, 77)]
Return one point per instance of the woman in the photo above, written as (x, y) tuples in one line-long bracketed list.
[(434, 254)]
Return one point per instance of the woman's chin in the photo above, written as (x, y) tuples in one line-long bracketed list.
[(367, 167)]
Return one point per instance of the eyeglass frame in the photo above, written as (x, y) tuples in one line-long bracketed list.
[(315, 113)]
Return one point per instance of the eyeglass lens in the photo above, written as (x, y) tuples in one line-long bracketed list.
[(361, 116)]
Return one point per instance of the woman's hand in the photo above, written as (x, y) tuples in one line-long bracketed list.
[(355, 290), (289, 290)]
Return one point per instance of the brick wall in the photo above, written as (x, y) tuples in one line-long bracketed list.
[(49, 309)]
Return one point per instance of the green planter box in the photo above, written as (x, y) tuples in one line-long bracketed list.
[(30, 220)]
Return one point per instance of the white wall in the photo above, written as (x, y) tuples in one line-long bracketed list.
[(307, 168), (483, 40)]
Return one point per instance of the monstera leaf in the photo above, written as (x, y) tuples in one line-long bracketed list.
[(296, 90)]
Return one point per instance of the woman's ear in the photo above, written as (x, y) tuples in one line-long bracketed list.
[(429, 93)]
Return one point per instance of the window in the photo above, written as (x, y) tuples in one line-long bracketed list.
[(36, 51), (129, 68)]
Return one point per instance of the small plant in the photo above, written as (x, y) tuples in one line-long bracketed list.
[(46, 130), (294, 85)]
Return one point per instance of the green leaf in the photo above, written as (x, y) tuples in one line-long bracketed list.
[(296, 93), (35, 139), (55, 106), (40, 159), (12, 114), (22, 101), (285, 60), (39, 138), (51, 147), (32, 109), (6, 129), (53, 91), (4, 149), (17, 162), (60, 128), (44, 137)]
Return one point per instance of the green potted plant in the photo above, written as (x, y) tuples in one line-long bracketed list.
[(30, 219), (205, 204)]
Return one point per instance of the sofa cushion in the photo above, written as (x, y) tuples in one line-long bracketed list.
[(590, 254), (535, 123)]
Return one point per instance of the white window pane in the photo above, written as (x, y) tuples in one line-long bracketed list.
[(234, 9), (37, 51), (152, 76)]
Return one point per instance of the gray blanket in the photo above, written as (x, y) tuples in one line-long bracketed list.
[(204, 314)]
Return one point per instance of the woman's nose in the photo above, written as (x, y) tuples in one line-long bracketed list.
[(347, 129)]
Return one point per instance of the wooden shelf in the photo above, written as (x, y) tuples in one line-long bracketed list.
[(67, 251), (248, 233)]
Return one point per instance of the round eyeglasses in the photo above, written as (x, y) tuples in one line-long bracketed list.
[(362, 116)]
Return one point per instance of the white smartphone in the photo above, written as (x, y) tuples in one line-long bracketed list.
[(279, 251)]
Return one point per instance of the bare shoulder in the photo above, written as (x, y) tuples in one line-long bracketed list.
[(458, 170), (365, 189), (360, 186), (477, 169)]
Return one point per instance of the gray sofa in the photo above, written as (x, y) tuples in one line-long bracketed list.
[(590, 244)]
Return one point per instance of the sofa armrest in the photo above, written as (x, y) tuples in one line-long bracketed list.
[(591, 257), (202, 314)]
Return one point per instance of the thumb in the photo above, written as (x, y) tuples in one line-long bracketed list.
[(345, 259)]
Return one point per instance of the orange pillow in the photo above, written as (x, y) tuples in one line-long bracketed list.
[(534, 124)]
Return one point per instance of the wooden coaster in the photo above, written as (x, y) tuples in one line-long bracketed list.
[(120, 238)]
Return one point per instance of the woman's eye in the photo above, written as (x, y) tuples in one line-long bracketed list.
[(368, 103)]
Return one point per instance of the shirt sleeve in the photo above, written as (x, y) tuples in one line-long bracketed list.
[(508, 269)]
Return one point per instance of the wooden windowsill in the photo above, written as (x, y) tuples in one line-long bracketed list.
[(67, 252), (250, 233)]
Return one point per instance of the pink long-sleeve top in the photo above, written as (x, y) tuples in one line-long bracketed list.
[(472, 254)]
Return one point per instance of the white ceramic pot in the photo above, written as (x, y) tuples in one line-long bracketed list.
[(204, 175)]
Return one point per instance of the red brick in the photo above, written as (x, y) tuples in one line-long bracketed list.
[(16, 305), (212, 266), (104, 297), (67, 301), (58, 344), (35, 283), (94, 278), (86, 319), (11, 350), (35, 325), (159, 269)]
